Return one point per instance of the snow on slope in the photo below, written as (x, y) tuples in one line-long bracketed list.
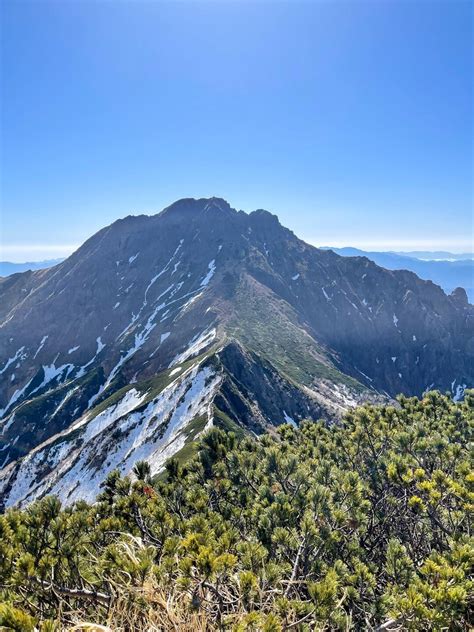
[(74, 464), (196, 345)]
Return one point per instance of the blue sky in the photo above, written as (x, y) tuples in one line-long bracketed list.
[(350, 120)]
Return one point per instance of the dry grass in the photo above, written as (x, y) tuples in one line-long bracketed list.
[(148, 610)]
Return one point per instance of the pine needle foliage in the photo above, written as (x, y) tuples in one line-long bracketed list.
[(363, 525)]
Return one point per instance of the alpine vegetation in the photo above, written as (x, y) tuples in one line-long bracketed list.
[(208, 423), (364, 525)]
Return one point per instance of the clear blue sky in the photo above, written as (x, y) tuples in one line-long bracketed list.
[(350, 120)]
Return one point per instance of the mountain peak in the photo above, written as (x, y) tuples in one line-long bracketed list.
[(187, 207), (151, 305), (265, 215), (264, 219), (459, 294)]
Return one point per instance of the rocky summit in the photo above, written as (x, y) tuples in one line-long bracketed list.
[(160, 326)]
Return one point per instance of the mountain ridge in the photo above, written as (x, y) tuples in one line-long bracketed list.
[(448, 274), (149, 298)]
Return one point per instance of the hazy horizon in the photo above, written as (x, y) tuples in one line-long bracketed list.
[(34, 252)]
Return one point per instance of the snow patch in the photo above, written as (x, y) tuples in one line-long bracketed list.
[(52, 373), (8, 422), (460, 388), (13, 359), (191, 300), (212, 268), (289, 420), (116, 439), (100, 345), (43, 340), (365, 375), (98, 424), (67, 397), (195, 346), (15, 397)]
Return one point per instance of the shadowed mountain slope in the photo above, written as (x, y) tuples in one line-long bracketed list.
[(449, 274), (160, 326)]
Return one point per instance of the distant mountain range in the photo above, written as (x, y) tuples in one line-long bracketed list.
[(159, 327), (436, 255), (444, 268), (8, 267)]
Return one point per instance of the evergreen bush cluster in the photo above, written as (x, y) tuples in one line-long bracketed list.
[(363, 525)]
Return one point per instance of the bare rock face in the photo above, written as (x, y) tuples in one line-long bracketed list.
[(283, 331), (459, 295)]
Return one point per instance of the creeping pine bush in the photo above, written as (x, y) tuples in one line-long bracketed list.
[(355, 526)]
